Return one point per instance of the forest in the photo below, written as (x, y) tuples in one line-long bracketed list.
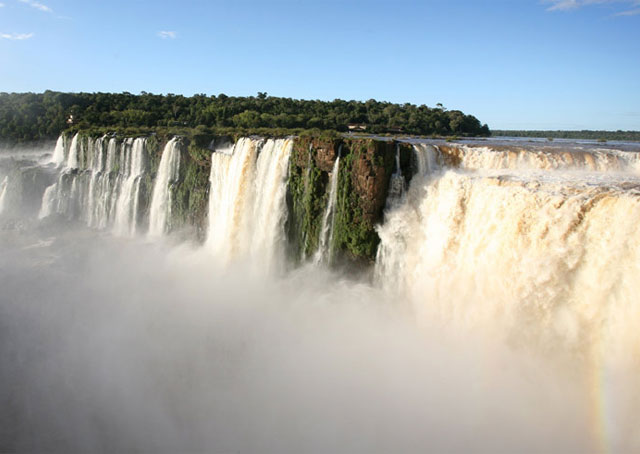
[(37, 116)]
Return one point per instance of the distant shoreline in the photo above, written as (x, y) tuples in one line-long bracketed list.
[(603, 136)]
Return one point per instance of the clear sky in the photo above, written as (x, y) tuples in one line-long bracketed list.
[(531, 64)]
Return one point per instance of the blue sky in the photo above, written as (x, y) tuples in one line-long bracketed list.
[(531, 64)]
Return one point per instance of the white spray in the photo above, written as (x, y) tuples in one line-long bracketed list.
[(325, 241), (168, 174)]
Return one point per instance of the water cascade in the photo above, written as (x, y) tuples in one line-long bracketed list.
[(397, 183), (72, 157), (58, 153), (533, 249), (307, 188), (168, 174), (427, 159), (247, 200), (324, 252), (99, 183), (541, 158), (3, 192), (133, 162), (400, 216)]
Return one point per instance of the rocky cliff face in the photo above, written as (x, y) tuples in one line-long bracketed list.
[(361, 184), (365, 169)]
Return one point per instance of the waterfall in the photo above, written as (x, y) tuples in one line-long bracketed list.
[(247, 200), (95, 153), (49, 201), (541, 158), (3, 192), (426, 158), (58, 153), (401, 215), (133, 162), (307, 188), (72, 159), (325, 241), (536, 250), (168, 174), (99, 183), (397, 183)]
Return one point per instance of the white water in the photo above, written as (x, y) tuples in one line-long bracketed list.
[(396, 184), (307, 188), (3, 192), (537, 250), (58, 153), (401, 216), (426, 157), (602, 160), (49, 201), (168, 174), (72, 158), (133, 162), (99, 184), (524, 280), (247, 201), (325, 242), (545, 257)]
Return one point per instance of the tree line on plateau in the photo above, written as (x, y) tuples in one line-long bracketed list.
[(36, 116)]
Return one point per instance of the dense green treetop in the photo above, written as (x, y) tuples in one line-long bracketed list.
[(33, 116)]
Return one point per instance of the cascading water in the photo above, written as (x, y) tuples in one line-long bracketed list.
[(58, 153), (72, 157), (543, 158), (324, 252), (397, 183), (96, 162), (133, 161), (3, 192), (168, 174), (99, 184), (247, 200), (307, 188), (61, 197), (401, 215), (534, 249), (426, 158), (538, 249)]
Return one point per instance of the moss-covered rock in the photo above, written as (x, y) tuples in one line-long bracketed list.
[(365, 170), (190, 195), (306, 195)]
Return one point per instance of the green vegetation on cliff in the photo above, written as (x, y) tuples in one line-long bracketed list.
[(33, 116), (190, 195), (365, 169), (366, 166)]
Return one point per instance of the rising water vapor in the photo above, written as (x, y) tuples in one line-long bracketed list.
[(114, 345), (501, 316), (511, 247)]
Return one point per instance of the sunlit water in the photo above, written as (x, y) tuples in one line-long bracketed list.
[(501, 319)]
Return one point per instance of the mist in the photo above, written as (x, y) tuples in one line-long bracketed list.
[(126, 345), (478, 329)]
